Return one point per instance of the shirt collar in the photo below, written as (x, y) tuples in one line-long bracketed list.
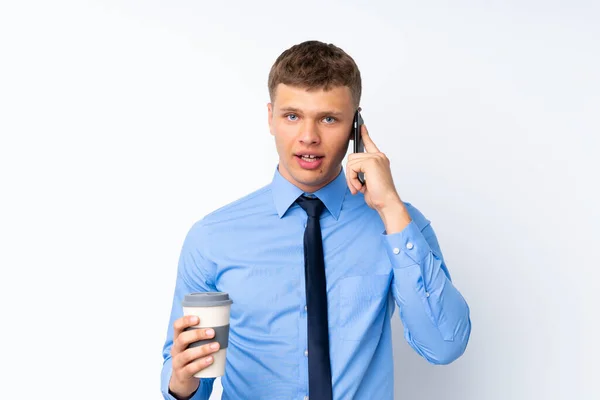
[(332, 195)]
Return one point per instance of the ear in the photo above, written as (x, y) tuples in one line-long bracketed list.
[(270, 117)]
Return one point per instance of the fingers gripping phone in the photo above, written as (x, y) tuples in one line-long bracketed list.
[(359, 147)]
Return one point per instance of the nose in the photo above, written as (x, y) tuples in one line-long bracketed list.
[(309, 134)]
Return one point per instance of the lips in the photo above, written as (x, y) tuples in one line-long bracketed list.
[(309, 161)]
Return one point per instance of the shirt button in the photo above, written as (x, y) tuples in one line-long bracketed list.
[(305, 353), (409, 245), (305, 308), (426, 294), (305, 397), (396, 250)]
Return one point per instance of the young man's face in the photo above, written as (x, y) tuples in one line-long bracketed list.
[(312, 132)]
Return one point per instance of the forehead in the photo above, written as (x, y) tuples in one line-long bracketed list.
[(338, 97)]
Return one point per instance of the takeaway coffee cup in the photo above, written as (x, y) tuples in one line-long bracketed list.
[(213, 310)]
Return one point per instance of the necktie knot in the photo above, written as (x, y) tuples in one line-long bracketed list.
[(312, 205)]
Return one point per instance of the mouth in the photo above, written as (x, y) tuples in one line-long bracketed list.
[(309, 161), (309, 157)]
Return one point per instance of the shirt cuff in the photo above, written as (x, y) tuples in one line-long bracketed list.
[(407, 247), (166, 377), (190, 397)]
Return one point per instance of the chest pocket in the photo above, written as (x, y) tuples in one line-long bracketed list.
[(362, 302)]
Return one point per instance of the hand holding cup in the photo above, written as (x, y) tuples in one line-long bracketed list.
[(189, 361)]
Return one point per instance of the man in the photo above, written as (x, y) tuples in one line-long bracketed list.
[(315, 261)]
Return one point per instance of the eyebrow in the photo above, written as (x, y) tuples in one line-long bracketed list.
[(326, 112)]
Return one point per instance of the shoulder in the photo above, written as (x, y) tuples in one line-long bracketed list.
[(256, 201), (248, 206)]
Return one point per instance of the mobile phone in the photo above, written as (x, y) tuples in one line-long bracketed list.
[(359, 147)]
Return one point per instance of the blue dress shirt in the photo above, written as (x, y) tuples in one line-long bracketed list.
[(253, 250)]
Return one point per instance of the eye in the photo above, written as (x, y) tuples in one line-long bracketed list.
[(331, 120), (291, 115)]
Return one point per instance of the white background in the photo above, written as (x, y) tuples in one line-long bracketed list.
[(123, 122)]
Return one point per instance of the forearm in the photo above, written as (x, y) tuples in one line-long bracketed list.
[(435, 315)]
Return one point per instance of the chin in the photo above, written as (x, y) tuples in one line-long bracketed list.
[(314, 179), (315, 182)]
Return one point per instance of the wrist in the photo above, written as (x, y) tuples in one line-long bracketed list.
[(395, 217), (183, 390)]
